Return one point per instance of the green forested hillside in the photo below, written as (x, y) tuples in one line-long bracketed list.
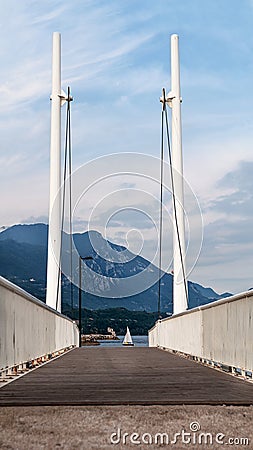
[(98, 321)]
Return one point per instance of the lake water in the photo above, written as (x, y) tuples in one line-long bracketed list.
[(139, 341)]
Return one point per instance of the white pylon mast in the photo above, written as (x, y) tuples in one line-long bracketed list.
[(53, 296), (180, 291)]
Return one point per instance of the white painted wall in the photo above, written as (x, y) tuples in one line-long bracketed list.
[(30, 329), (221, 331)]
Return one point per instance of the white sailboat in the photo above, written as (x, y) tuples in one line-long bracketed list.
[(128, 338)]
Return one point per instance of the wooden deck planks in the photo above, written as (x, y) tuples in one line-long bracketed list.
[(117, 376)]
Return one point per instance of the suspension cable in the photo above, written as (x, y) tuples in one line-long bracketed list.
[(174, 201), (161, 210), (67, 158), (70, 208)]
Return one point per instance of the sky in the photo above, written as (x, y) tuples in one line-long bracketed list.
[(116, 58)]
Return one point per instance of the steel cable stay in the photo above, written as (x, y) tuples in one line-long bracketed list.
[(161, 214), (70, 204), (165, 114), (67, 162), (174, 205)]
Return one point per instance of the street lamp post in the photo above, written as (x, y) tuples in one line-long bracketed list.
[(86, 258)]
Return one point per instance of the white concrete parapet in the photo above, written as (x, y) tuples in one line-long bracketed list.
[(29, 329), (221, 331)]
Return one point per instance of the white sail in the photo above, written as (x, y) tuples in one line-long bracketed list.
[(128, 338)]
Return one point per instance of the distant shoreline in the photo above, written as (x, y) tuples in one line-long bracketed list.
[(92, 339)]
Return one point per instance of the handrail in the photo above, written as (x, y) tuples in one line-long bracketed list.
[(18, 290), (220, 301)]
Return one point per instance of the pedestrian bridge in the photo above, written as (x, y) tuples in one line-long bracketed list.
[(219, 334), (118, 376)]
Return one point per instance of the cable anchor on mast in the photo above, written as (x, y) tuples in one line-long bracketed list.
[(64, 97), (168, 99)]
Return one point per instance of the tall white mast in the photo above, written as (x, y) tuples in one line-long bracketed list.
[(180, 291), (53, 297)]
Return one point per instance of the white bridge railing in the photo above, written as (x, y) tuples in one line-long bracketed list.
[(220, 332), (29, 329)]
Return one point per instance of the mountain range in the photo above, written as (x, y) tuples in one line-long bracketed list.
[(114, 277)]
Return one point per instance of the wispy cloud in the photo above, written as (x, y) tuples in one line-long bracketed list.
[(228, 229), (116, 58), (45, 18)]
